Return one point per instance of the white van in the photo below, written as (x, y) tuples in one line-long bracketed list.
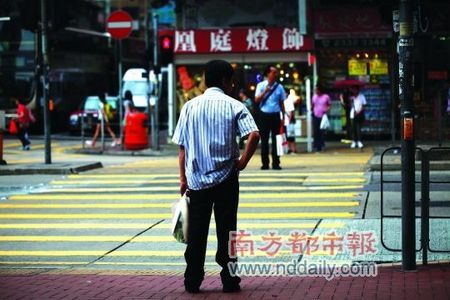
[(136, 82)]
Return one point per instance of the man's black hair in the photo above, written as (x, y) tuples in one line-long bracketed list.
[(101, 97), (216, 71), (268, 69)]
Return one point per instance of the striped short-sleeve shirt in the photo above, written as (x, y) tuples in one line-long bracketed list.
[(207, 129)]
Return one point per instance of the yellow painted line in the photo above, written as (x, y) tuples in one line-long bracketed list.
[(338, 180), (244, 174), (285, 215), (174, 181), (169, 205), (43, 263), (175, 196), (132, 253), (176, 188), (115, 226), (139, 239)]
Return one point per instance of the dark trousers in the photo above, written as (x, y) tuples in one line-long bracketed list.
[(269, 125), (22, 134), (318, 143), (357, 123), (224, 199)]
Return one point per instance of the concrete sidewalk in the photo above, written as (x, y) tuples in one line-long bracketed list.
[(428, 282)]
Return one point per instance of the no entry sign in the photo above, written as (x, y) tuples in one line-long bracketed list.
[(119, 24)]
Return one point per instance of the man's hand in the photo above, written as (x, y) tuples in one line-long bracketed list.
[(181, 161), (250, 149), (183, 187)]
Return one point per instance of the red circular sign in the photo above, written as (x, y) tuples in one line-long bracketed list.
[(119, 24)]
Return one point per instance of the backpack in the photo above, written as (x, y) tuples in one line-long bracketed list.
[(109, 111)]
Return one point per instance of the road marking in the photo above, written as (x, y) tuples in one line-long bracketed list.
[(246, 174), (175, 196), (115, 226), (175, 181), (169, 205), (136, 253), (282, 215), (176, 188), (122, 238)]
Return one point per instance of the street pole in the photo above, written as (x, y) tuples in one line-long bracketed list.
[(308, 115), (44, 80), (157, 71), (406, 43), (119, 74)]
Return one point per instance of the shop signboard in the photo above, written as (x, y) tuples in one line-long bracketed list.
[(241, 40), (357, 67), (352, 22), (378, 67)]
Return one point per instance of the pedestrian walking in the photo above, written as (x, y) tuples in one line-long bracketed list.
[(24, 120), (321, 104), (344, 98), (289, 119), (269, 96), (106, 117), (128, 104), (209, 166), (357, 115)]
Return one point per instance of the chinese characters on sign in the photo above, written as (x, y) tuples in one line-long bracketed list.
[(355, 243), (241, 40)]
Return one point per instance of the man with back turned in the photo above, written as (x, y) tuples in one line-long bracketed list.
[(210, 161)]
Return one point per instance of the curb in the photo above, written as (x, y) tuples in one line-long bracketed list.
[(53, 169)]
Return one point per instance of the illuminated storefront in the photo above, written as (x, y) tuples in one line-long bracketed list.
[(248, 49)]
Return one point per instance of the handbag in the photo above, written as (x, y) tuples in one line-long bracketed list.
[(13, 129), (282, 144), (325, 122), (180, 217), (290, 130)]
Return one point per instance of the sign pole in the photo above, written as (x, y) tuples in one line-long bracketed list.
[(44, 80), (119, 25), (119, 73), (156, 89)]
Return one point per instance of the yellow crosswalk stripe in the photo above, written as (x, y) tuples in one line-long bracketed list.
[(169, 205), (283, 215), (136, 253), (176, 181), (244, 174), (175, 196), (176, 188), (115, 226), (123, 238)]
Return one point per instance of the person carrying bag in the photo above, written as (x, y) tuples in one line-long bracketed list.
[(269, 95)]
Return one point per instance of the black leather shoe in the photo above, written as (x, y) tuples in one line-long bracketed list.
[(192, 290), (231, 288), (277, 168), (264, 167)]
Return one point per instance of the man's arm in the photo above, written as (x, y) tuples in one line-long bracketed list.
[(261, 96), (181, 160), (250, 148)]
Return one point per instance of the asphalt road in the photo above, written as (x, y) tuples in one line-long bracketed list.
[(118, 217)]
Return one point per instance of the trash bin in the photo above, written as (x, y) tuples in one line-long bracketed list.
[(136, 132)]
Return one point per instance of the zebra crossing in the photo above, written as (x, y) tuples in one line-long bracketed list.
[(123, 220)]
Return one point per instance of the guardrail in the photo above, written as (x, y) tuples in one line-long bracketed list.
[(425, 202)]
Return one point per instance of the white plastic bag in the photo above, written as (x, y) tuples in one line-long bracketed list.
[(325, 123), (282, 144), (180, 215)]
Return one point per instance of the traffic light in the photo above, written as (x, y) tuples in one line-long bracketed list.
[(166, 49)]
